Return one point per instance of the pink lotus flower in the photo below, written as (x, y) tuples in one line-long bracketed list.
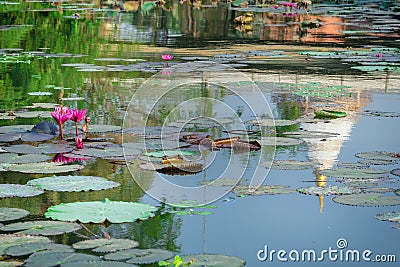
[(380, 55), (77, 116), (79, 142), (61, 158), (167, 57), (61, 115), (285, 3), (276, 6)]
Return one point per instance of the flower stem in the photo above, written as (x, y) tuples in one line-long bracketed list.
[(76, 128), (61, 131)]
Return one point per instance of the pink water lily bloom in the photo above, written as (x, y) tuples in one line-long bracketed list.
[(276, 6), (77, 116), (61, 115), (167, 57), (79, 142)]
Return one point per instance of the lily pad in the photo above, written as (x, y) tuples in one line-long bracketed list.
[(355, 173), (367, 162), (368, 200), (213, 260), (45, 167), (50, 259), (96, 128), (29, 248), (98, 264), (102, 245), (12, 158), (220, 182), (72, 183), (389, 216), (55, 148), (10, 214), (140, 256), (33, 114), (379, 155), (17, 190), (395, 172), (310, 134), (270, 122), (100, 211), (289, 165), (15, 128), (9, 137), (42, 227), (328, 190), (36, 137), (108, 152), (169, 153), (280, 141), (377, 113), (23, 149), (262, 190), (7, 241)]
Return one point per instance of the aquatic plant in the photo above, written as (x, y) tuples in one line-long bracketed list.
[(178, 262), (77, 116), (61, 115), (79, 142), (166, 58)]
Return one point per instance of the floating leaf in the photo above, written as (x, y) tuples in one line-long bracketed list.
[(17, 190), (368, 200), (310, 134), (108, 152), (36, 137), (213, 260), (181, 212), (329, 114), (220, 182), (140, 256), (377, 113), (289, 165), (270, 122), (327, 190), (169, 153), (10, 214), (397, 192), (9, 137), (23, 149), (42, 227), (29, 248), (98, 264), (45, 167), (16, 159), (262, 190), (354, 173), (96, 128), (50, 259), (389, 216), (395, 172), (102, 245), (55, 148), (379, 155), (72, 183), (100, 211), (15, 128), (7, 241), (280, 141), (33, 114), (376, 162)]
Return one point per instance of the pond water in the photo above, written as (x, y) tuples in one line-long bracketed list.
[(281, 68)]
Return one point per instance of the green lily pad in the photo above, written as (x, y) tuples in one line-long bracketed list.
[(280, 141), (16, 128), (262, 190), (368, 200), (10, 263), (33, 114), (23, 149), (397, 192), (355, 173), (395, 172), (329, 114), (220, 182), (368, 162), (29, 248), (377, 113), (108, 152), (42, 227), (17, 190), (169, 153), (289, 165), (10, 214), (100, 211), (55, 148), (270, 122), (310, 134), (9, 137), (72, 183), (42, 105), (45, 167), (98, 264), (379, 155), (50, 259), (213, 260), (389, 216), (10, 240), (102, 245), (13, 158), (96, 128), (140, 256), (36, 137), (183, 212), (328, 190)]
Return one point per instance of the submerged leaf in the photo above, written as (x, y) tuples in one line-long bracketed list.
[(106, 245), (140, 256), (72, 183), (42, 227), (100, 211), (10, 214), (368, 200), (17, 190)]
